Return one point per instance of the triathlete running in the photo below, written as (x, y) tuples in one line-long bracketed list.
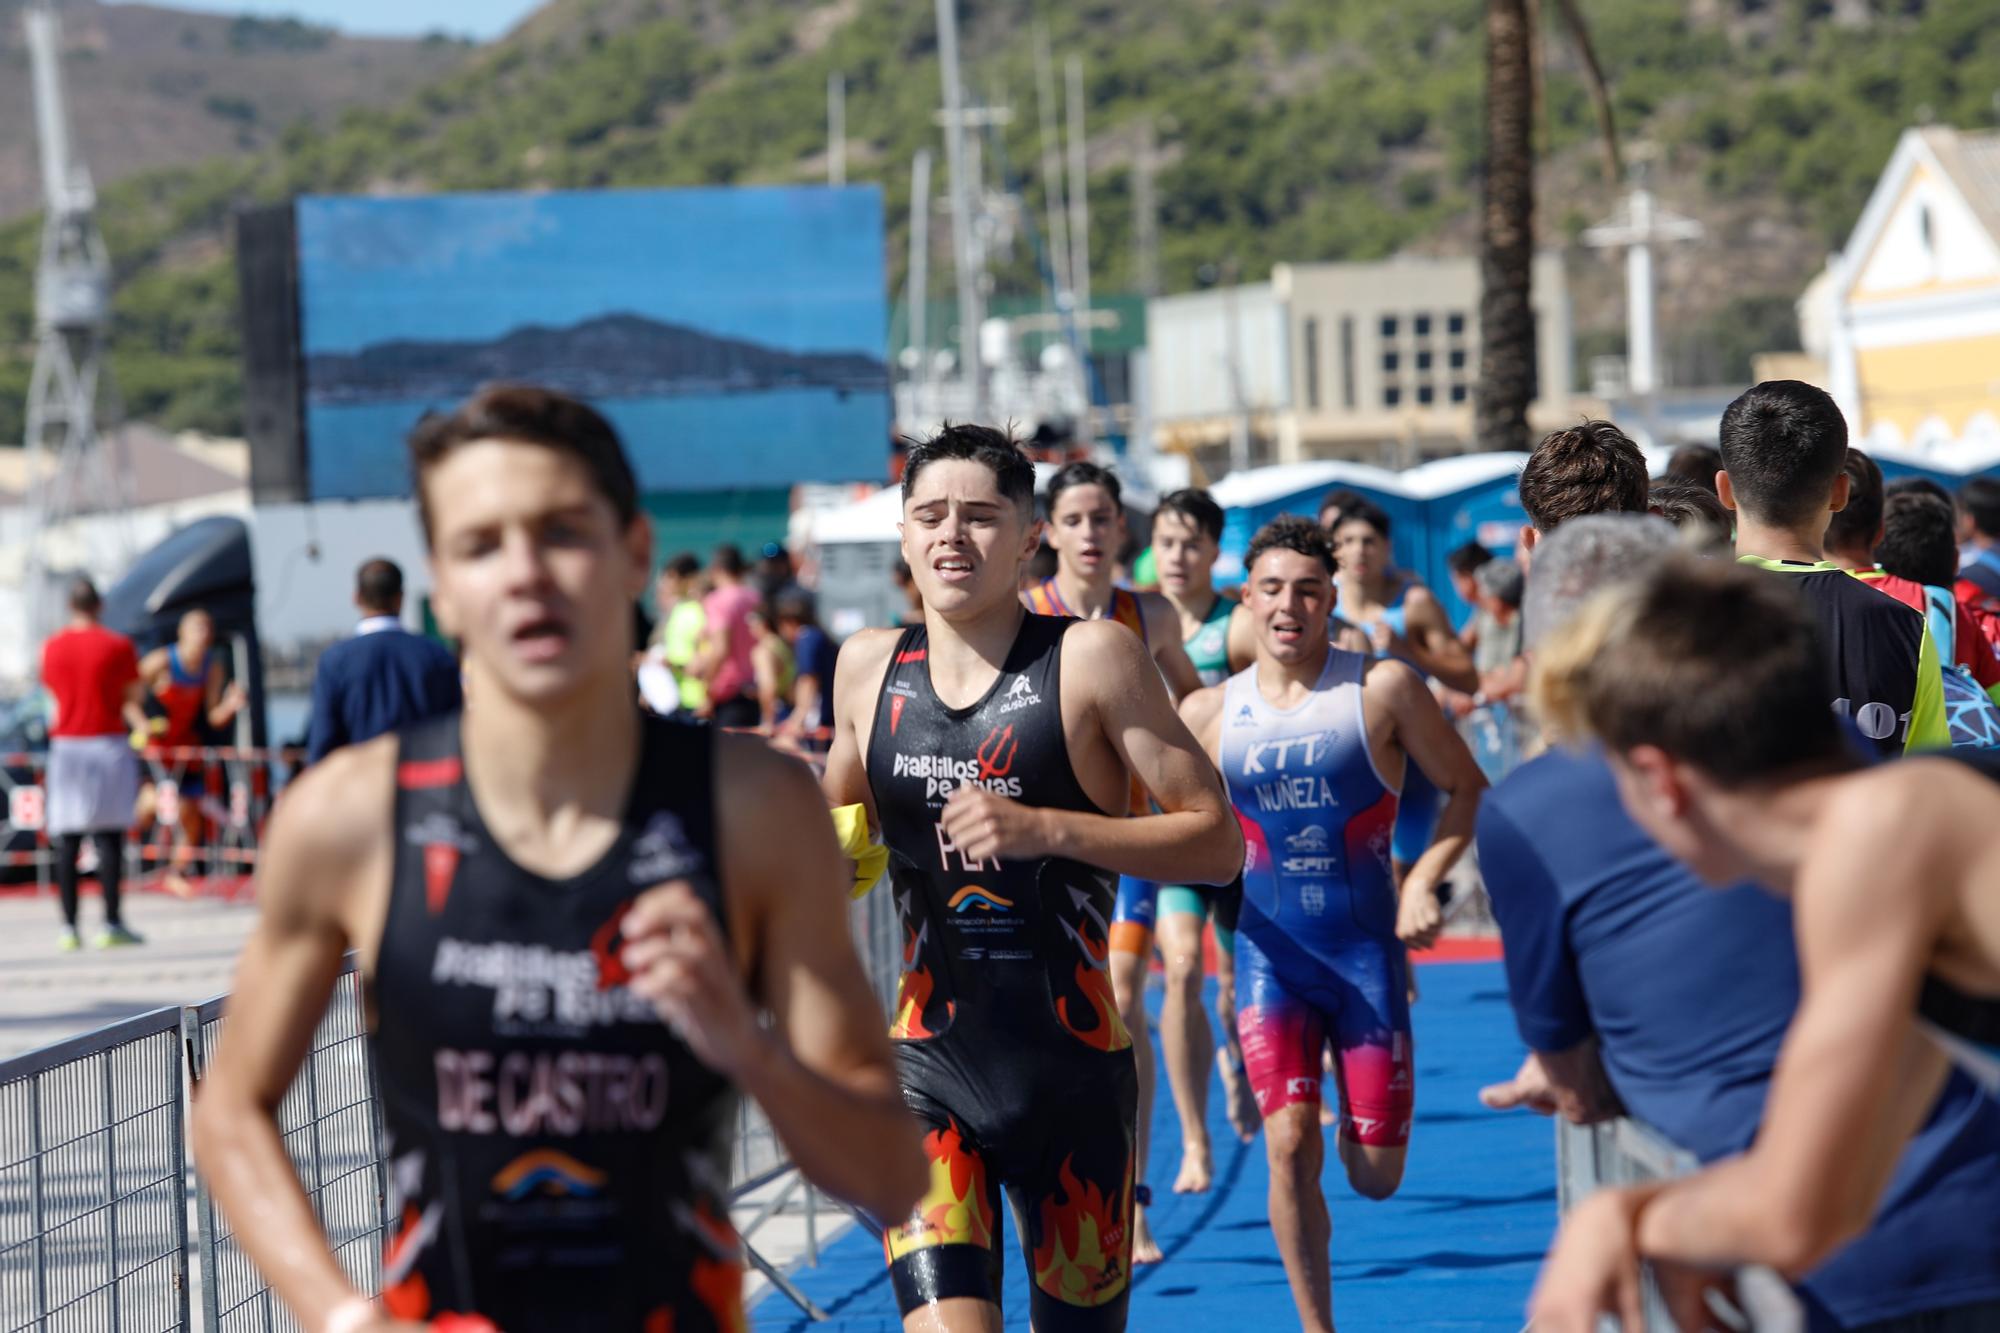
[(1086, 530), (1187, 539), (995, 750), (568, 918), (1314, 742)]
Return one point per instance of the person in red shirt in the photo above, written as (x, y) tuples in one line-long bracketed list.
[(1851, 538), (93, 775), (189, 686)]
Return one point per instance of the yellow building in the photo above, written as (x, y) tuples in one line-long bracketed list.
[(1913, 346)]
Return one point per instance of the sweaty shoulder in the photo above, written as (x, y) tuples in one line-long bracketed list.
[(1103, 649), (333, 829), (1392, 679), (862, 658)]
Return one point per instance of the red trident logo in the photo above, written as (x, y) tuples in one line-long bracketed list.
[(991, 762)]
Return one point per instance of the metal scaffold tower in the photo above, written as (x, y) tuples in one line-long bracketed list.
[(71, 469)]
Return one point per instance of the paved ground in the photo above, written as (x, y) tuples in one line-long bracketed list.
[(191, 948)]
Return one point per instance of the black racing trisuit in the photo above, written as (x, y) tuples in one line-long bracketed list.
[(557, 1156), (1009, 1044)]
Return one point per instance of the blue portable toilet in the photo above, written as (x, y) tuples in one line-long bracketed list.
[(1431, 509), (1469, 498), (1251, 499)]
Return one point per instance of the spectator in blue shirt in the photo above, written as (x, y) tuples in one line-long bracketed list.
[(813, 655), (382, 679), (1636, 985)]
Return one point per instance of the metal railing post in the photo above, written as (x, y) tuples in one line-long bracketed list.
[(110, 1188), (35, 1190)]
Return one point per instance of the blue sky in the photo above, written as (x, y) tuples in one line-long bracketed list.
[(797, 268), (483, 19)]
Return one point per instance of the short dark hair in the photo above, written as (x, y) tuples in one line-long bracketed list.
[(1071, 475), (1695, 464), (1917, 539), (1336, 499), (527, 414), (1361, 509), (793, 604), (1683, 502), (1718, 665), (1925, 485), (1195, 505), (1855, 527), (1289, 532), (1590, 468), (1980, 499), (682, 566), (1783, 443), (378, 584), (83, 598), (1467, 559), (727, 559), (990, 448)]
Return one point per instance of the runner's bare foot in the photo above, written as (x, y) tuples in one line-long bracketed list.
[(1196, 1168), (1145, 1250), (1240, 1102)]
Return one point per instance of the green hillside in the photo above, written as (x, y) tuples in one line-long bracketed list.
[(1288, 129)]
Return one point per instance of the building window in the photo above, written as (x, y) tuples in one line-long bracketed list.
[(1426, 394), (1388, 326), (1454, 323), (1392, 396), (1458, 394), (1424, 359), (1391, 362), (1312, 364), (1422, 324), (1456, 358), (1347, 362)]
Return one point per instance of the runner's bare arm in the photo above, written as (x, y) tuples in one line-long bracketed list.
[(1434, 644), (1854, 1078), (1163, 632), (857, 678), (222, 700), (133, 706), (1201, 711), (328, 836), (1196, 840), (1435, 748), (829, 1086)]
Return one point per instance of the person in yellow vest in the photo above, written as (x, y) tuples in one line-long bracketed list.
[(678, 596)]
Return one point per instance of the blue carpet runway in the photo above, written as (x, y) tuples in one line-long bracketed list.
[(1457, 1248)]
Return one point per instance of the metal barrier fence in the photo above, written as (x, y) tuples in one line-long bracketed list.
[(221, 797), (93, 1182), (1625, 1152)]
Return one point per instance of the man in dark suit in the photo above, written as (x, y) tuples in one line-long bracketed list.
[(384, 677)]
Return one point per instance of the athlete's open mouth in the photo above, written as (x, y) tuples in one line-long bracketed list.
[(540, 639), (1286, 632), (952, 568)]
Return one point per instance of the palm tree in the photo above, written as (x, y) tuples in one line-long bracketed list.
[(1507, 216)]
